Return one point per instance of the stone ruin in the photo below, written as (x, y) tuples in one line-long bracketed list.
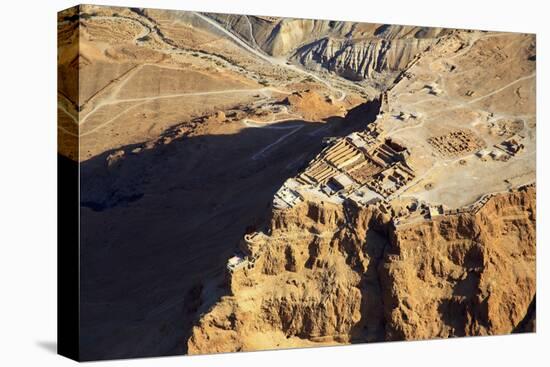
[(456, 143), (504, 150)]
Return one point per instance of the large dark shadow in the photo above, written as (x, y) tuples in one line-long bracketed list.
[(157, 228), (528, 323)]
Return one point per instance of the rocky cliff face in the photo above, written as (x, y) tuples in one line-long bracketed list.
[(463, 274), (352, 50), (314, 282), (331, 274), (359, 60)]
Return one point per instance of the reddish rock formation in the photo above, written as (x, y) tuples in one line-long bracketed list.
[(462, 274), (330, 274)]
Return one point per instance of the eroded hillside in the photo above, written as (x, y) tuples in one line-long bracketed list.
[(329, 274)]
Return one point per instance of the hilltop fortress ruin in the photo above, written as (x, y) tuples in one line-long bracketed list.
[(426, 163)]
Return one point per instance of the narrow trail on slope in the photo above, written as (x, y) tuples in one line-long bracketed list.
[(125, 77), (465, 104), (144, 100), (251, 32), (118, 83), (259, 154), (62, 108), (270, 59), (266, 125), (111, 85), (396, 130)]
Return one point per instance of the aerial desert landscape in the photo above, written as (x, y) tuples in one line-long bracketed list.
[(254, 182)]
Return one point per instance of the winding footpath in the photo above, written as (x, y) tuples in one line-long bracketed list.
[(270, 59), (114, 87)]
